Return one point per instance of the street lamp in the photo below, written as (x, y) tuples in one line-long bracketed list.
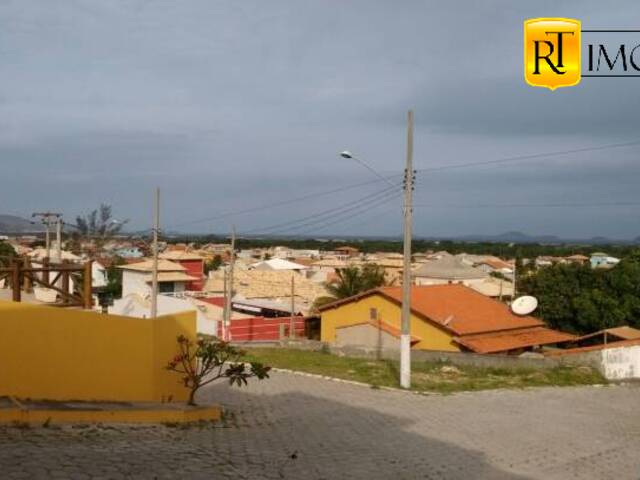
[(405, 319), (350, 156)]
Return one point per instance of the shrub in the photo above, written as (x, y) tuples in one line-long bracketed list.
[(210, 359)]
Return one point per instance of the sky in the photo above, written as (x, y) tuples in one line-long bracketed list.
[(237, 110)]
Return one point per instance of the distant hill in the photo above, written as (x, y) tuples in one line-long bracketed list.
[(11, 224)]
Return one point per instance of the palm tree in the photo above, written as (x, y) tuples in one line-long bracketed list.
[(98, 225), (354, 280)]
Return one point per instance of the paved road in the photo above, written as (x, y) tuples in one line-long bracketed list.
[(296, 427)]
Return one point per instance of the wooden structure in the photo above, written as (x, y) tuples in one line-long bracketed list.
[(21, 276)]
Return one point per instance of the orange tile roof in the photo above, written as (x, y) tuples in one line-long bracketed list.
[(477, 322), (461, 309), (503, 341)]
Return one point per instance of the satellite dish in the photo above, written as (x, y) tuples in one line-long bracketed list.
[(524, 305)]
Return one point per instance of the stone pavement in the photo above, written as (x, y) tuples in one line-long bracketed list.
[(298, 427)]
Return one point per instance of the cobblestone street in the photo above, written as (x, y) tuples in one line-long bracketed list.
[(294, 426)]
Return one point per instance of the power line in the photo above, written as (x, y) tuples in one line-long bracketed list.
[(520, 158), (368, 207), (533, 205), (359, 208), (282, 202), (324, 213)]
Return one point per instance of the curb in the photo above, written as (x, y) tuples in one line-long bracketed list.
[(432, 394)]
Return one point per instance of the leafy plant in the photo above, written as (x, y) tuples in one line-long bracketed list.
[(209, 359), (213, 265), (98, 225), (354, 280)]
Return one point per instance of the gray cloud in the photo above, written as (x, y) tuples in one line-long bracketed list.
[(226, 105)]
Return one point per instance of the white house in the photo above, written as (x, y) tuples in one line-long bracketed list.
[(136, 277), (207, 314)]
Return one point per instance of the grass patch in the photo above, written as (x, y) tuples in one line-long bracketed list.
[(426, 376)]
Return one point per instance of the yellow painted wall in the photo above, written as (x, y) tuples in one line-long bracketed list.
[(62, 354), (432, 337)]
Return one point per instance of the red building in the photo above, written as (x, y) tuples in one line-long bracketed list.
[(193, 263)]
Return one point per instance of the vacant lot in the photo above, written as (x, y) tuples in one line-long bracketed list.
[(426, 376)]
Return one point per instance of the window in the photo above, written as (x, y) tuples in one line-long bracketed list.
[(166, 287), (373, 313)]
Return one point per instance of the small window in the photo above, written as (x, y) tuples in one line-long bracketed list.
[(373, 313)]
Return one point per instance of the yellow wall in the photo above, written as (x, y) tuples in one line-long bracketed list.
[(432, 337), (62, 354)]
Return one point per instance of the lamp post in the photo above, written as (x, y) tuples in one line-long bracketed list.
[(405, 337)]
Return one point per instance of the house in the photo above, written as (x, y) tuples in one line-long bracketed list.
[(268, 292), (494, 264), (208, 314), (277, 264), (193, 264), (346, 252), (579, 259), (447, 269), (602, 260), (129, 252), (443, 318), (136, 277)]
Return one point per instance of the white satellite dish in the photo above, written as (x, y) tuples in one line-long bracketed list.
[(524, 305)]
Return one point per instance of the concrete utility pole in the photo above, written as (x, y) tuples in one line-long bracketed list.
[(46, 218), (227, 317), (292, 324), (59, 238), (225, 308), (154, 273), (405, 337)]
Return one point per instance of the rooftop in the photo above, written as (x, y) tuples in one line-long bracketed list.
[(449, 268), (147, 266)]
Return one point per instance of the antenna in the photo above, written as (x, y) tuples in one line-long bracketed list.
[(524, 305)]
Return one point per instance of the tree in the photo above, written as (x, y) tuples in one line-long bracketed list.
[(114, 278), (210, 359), (213, 264), (579, 299), (98, 225), (7, 253), (354, 280)]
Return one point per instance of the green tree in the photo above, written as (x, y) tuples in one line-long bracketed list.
[(7, 254), (213, 264), (580, 299), (114, 278), (354, 280)]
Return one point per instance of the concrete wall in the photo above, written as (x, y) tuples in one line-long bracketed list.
[(61, 354), (135, 306), (367, 336), (622, 363), (135, 282), (455, 358), (431, 336)]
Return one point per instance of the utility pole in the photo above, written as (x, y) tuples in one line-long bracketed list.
[(226, 304), (59, 238), (46, 218), (405, 337), (154, 274), (292, 325), (227, 318)]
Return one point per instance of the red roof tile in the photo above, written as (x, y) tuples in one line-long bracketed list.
[(504, 341)]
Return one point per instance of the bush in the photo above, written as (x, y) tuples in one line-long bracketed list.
[(210, 359)]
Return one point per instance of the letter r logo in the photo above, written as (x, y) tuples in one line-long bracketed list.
[(552, 52)]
